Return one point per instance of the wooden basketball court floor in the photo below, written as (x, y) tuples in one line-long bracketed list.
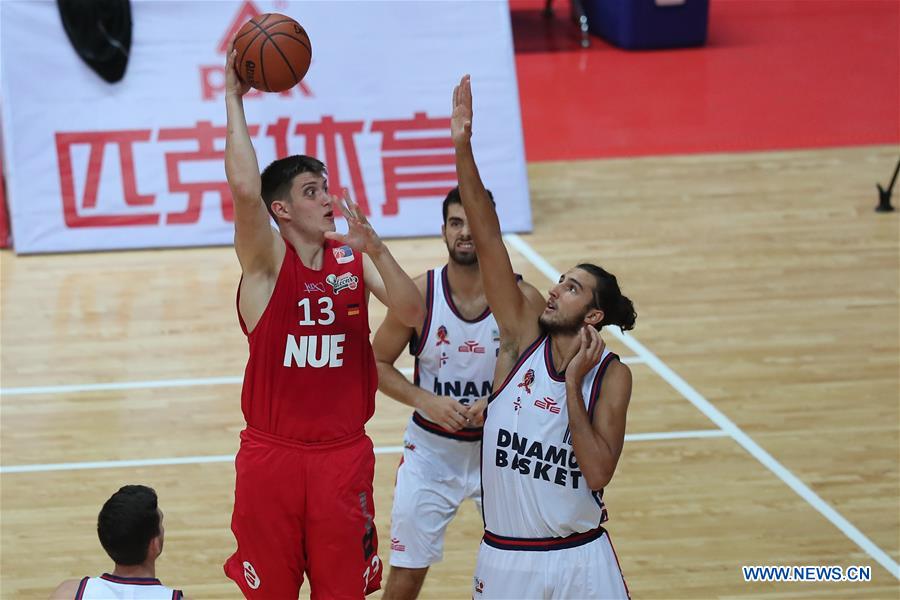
[(763, 428)]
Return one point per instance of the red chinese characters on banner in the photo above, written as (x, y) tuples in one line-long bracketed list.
[(205, 134), (415, 151), (97, 140), (329, 132), (417, 158)]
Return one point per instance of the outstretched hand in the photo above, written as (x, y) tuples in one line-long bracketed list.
[(233, 83), (590, 349), (360, 234), (461, 119)]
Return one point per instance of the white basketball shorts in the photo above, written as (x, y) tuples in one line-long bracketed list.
[(435, 476), (590, 570)]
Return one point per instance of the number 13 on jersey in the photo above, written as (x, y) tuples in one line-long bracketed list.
[(315, 351)]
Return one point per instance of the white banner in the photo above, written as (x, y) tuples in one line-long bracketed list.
[(139, 163)]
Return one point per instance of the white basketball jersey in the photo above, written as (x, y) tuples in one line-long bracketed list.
[(112, 587), (454, 356), (531, 484)]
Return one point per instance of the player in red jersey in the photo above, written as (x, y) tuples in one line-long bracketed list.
[(303, 495)]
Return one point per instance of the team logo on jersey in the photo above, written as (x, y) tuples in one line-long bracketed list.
[(527, 380), (342, 282), (311, 287), (343, 255), (250, 576), (471, 346), (479, 586), (548, 404), (396, 546), (442, 336)]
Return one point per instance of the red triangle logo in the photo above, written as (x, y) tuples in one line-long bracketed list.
[(248, 11)]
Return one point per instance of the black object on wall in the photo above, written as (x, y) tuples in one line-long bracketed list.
[(100, 31)]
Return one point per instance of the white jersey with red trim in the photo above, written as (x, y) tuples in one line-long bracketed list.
[(531, 484), (113, 587), (455, 356)]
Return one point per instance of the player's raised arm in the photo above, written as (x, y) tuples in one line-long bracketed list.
[(507, 302), (258, 246)]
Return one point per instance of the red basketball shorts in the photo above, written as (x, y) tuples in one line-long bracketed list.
[(304, 509)]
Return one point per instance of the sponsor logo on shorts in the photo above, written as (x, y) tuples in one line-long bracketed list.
[(396, 546), (479, 586), (342, 282), (250, 576), (410, 447)]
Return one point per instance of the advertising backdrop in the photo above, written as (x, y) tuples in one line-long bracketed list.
[(139, 163)]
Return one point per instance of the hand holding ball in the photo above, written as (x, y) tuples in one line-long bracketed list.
[(273, 52)]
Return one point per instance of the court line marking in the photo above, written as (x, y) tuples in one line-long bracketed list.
[(218, 458), (642, 355), (726, 424), (163, 383)]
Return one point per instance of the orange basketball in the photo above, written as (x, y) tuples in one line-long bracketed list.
[(273, 52)]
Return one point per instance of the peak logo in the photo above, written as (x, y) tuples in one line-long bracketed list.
[(212, 77)]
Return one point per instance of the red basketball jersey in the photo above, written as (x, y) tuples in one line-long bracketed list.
[(311, 374)]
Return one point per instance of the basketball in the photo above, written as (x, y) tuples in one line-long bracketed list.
[(273, 52)]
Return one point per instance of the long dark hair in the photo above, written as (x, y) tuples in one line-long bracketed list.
[(617, 308)]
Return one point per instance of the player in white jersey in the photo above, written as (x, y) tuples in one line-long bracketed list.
[(131, 531), (455, 351), (555, 424)]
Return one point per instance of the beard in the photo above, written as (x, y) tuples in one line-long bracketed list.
[(465, 259), (558, 325)]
